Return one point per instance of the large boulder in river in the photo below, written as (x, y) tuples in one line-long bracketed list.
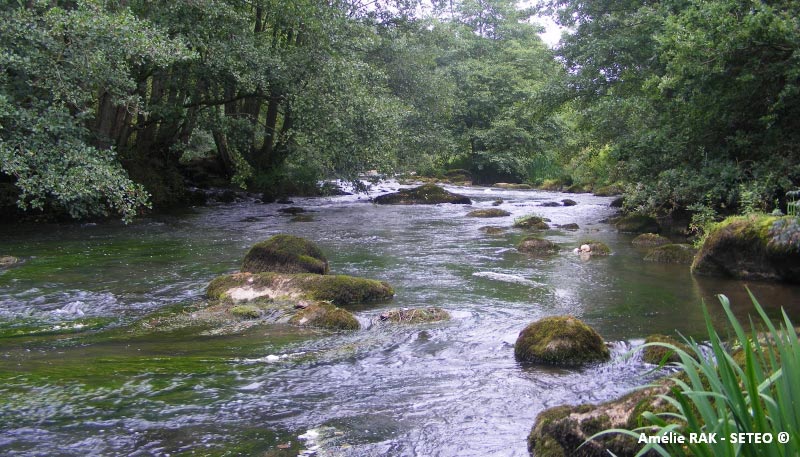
[(428, 194), (637, 223), (340, 290), (755, 247), (563, 430), (648, 240), (671, 253), (325, 315), (537, 246), (560, 340), (531, 222), (285, 254)]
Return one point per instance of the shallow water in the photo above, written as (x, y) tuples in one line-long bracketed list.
[(443, 389)]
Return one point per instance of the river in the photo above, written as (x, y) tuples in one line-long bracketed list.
[(69, 385)]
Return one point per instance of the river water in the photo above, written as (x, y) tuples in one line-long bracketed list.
[(71, 385)]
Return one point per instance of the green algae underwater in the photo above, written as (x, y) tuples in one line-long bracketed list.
[(83, 371)]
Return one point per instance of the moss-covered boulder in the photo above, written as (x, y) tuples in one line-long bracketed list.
[(492, 230), (537, 246), (755, 247), (650, 240), (608, 191), (617, 202), (570, 226), (325, 315), (671, 253), (7, 261), (513, 186), (285, 254), (657, 354), (415, 315), (560, 340), (579, 189), (562, 431), (340, 290), (490, 212), (245, 311), (637, 223), (427, 194), (569, 202), (497, 202), (594, 248), (531, 222), (550, 204)]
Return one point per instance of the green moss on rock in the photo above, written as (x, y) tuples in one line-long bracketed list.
[(755, 247), (531, 222), (570, 226), (491, 212), (671, 253), (285, 254), (638, 223), (646, 240), (245, 311), (596, 248), (514, 186), (427, 194), (343, 290), (493, 230), (560, 340), (608, 191), (325, 315), (415, 315), (657, 354), (537, 246)]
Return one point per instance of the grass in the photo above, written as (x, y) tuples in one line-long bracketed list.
[(750, 386)]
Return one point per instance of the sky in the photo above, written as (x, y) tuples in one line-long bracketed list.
[(552, 32)]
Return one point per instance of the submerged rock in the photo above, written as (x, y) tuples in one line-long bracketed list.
[(569, 202), (415, 315), (285, 254), (493, 230), (325, 315), (646, 240), (428, 194), (531, 222), (550, 204), (537, 246), (302, 218), (593, 247), (563, 430), (570, 226), (637, 223), (672, 253), (491, 212), (497, 202), (245, 311), (292, 210), (756, 247), (560, 340)]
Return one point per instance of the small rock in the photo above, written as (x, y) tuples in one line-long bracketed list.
[(569, 202)]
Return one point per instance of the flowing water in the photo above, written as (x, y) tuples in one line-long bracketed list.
[(71, 385)]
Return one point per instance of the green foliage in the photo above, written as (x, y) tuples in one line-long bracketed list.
[(749, 388)]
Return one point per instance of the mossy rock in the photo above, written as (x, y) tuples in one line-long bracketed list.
[(657, 354), (579, 189), (340, 290), (754, 247), (570, 226), (551, 185), (563, 430), (493, 230), (608, 191), (596, 248), (415, 315), (617, 202), (497, 202), (490, 212), (285, 254), (427, 194), (560, 340), (326, 316), (531, 222), (650, 240), (550, 204), (245, 311), (569, 202), (671, 253), (343, 290), (537, 246), (7, 261), (637, 223), (513, 186)]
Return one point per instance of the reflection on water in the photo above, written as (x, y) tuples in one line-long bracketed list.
[(452, 388)]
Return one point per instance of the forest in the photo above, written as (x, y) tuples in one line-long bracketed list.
[(106, 106)]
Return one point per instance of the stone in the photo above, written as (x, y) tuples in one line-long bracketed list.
[(637, 223), (427, 194), (285, 254), (672, 253), (537, 246), (560, 340), (491, 212)]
